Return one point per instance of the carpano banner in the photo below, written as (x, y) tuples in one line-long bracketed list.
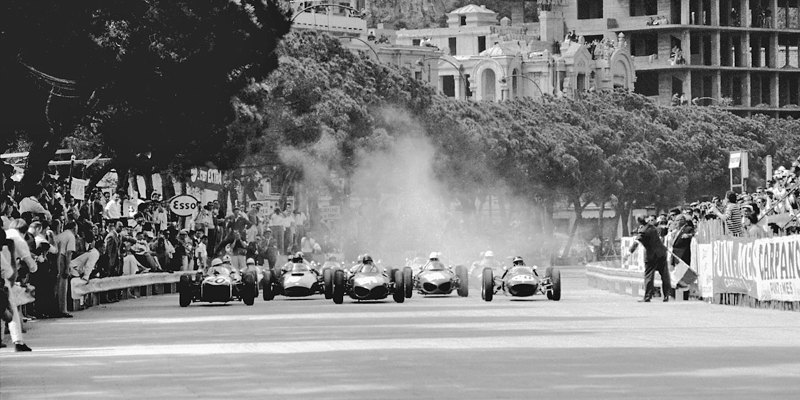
[(765, 269)]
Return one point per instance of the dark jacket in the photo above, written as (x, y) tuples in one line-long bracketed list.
[(654, 248)]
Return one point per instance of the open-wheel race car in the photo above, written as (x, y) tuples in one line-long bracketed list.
[(297, 279), (521, 281), (221, 284), (436, 278), (368, 282)]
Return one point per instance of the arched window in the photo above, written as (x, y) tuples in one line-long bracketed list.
[(488, 82)]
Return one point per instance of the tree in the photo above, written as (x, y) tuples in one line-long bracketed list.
[(327, 103), (155, 77)]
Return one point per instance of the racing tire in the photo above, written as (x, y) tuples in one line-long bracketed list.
[(250, 288), (266, 286), (555, 280), (399, 289), (327, 283), (408, 282), (463, 280), (184, 291), (338, 287), (487, 285)]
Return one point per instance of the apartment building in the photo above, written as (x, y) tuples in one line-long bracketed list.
[(738, 54)]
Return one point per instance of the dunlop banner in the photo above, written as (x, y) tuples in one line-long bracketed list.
[(766, 269)]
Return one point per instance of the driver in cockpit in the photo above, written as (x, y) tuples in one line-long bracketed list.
[(367, 265), (433, 263), (516, 262)]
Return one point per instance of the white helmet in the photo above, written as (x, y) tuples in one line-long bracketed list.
[(488, 254), (433, 256)]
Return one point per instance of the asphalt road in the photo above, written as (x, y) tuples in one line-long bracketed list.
[(592, 344)]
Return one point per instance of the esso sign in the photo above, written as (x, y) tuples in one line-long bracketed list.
[(184, 205)]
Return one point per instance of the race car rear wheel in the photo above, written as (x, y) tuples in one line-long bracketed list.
[(327, 282), (249, 288), (487, 285), (184, 291), (399, 289), (266, 286), (338, 286), (463, 280), (408, 281), (555, 279)]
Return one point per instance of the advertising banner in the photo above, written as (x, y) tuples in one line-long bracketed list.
[(705, 272), (78, 188), (766, 269)]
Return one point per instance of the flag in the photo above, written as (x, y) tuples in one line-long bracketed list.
[(682, 273)]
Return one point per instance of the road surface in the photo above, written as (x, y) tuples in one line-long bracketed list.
[(592, 344)]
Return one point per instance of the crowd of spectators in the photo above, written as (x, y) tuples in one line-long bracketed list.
[(768, 211), (49, 239)]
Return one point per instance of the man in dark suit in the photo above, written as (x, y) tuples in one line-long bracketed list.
[(655, 259)]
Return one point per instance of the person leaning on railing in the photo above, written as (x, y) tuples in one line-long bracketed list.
[(732, 215)]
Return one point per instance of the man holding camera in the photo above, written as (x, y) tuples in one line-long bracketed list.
[(655, 259)]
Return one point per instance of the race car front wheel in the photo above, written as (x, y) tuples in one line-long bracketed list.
[(249, 288), (398, 294), (555, 280), (408, 282), (338, 286), (463, 280), (266, 286), (327, 282), (487, 285)]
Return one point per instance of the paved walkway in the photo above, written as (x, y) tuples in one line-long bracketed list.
[(592, 344)]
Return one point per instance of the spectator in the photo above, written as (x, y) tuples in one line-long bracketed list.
[(83, 266), (112, 211), (66, 246), (32, 206), (9, 273), (732, 215), (276, 226)]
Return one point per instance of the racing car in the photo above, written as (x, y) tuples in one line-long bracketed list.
[(435, 278), (521, 281), (367, 281), (297, 279), (220, 284)]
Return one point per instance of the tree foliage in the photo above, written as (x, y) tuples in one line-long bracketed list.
[(157, 77)]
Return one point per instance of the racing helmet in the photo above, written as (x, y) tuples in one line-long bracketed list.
[(434, 256), (216, 262), (366, 259), (251, 261), (226, 259), (518, 261), (488, 254)]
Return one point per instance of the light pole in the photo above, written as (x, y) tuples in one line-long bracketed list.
[(377, 58), (302, 10), (459, 68), (528, 78)]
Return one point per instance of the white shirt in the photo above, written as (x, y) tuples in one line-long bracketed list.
[(85, 262), (31, 204), (21, 252), (113, 210), (160, 217)]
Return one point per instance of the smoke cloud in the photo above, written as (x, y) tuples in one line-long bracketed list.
[(396, 207)]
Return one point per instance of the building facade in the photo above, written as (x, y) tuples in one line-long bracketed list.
[(484, 60), (738, 54)]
